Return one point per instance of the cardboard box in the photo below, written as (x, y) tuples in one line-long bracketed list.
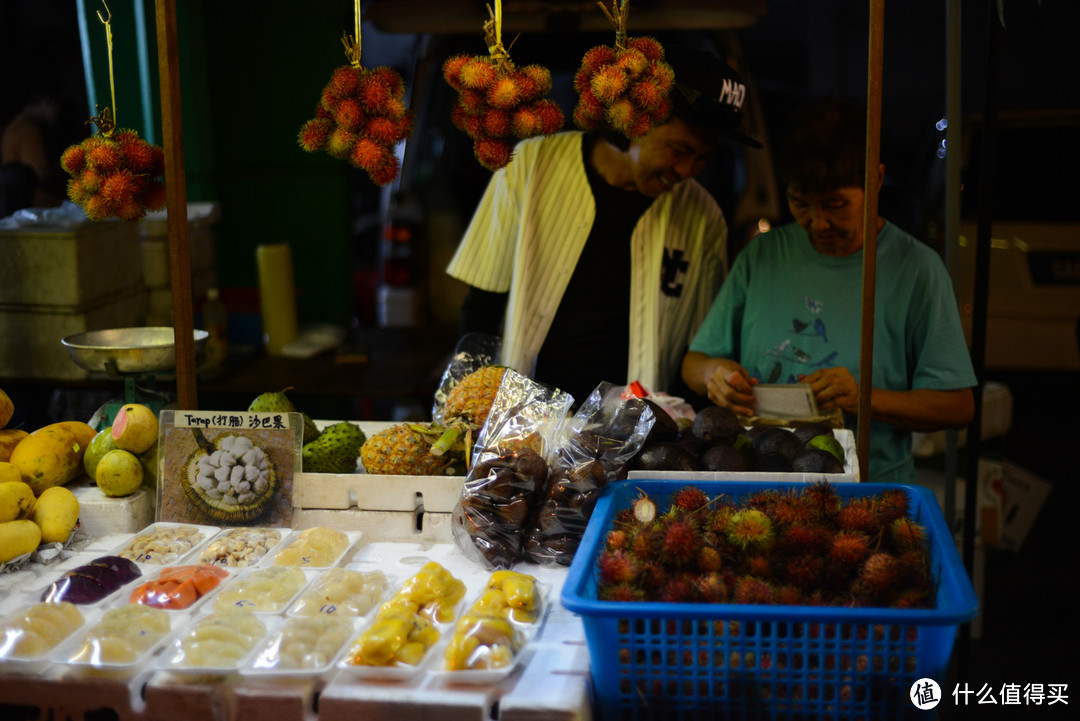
[(68, 268), (154, 243), (30, 335)]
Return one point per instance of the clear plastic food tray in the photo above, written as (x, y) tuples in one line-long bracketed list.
[(241, 547), (135, 629), (163, 544), (50, 624), (344, 592), (303, 646), (287, 553), (199, 602), (216, 643), (264, 590), (40, 590)]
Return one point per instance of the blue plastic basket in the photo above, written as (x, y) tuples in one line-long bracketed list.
[(699, 660)]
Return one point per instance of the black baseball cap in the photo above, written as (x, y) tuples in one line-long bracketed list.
[(708, 92)]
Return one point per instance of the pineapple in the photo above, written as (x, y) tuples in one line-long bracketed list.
[(468, 404), (405, 449)]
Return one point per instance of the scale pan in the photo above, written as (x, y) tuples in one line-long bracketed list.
[(122, 351)]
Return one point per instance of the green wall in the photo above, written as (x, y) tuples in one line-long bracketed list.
[(251, 73)]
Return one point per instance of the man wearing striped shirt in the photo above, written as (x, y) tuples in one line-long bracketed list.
[(596, 258)]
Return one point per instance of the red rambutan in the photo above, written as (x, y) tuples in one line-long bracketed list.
[(689, 498), (367, 153), (386, 170), (341, 143), (472, 102), (709, 559), (710, 588), (328, 101), (596, 57), (647, 95), (652, 575), (750, 528), (849, 549), (130, 209), (880, 573), (757, 565), (646, 542), (788, 596), (451, 70), (907, 535), (73, 160), (822, 498), (349, 115), (389, 78), (457, 116), (493, 153), (504, 92), (525, 122), (76, 192), (382, 130), (678, 589), (117, 187), (91, 182), (662, 75), (343, 82), (621, 592), (551, 116), (477, 73), (807, 538), (632, 62), (680, 542), (617, 540), (96, 208), (473, 126), (913, 598), (496, 123), (749, 589), (623, 116), (374, 94), (540, 78), (858, 515), (608, 84), (890, 505), (647, 46), (314, 134), (644, 509), (395, 108), (614, 567), (803, 571), (103, 156)]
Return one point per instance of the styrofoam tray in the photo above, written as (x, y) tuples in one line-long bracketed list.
[(38, 590), (243, 591), (271, 540), (271, 559), (176, 654), (149, 641), (10, 634), (160, 554), (297, 635), (327, 595), (199, 602)]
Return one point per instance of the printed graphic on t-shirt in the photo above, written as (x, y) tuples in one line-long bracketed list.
[(803, 352), (674, 266)]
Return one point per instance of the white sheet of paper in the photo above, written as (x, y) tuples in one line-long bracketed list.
[(784, 400)]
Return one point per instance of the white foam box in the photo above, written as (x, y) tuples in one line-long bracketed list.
[(30, 335), (849, 475), (68, 267), (100, 515)]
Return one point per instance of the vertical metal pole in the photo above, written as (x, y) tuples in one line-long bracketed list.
[(870, 214), (176, 201)]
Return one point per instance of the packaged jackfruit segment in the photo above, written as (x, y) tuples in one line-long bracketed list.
[(218, 641), (262, 590), (32, 632), (303, 644), (342, 592), (121, 636), (313, 547)]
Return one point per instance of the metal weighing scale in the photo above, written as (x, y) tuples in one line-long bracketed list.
[(138, 356)]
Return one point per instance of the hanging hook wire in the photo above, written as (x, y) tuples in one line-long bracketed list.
[(106, 121)]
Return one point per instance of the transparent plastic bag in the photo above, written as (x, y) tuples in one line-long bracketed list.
[(595, 448), (508, 471), (473, 352)]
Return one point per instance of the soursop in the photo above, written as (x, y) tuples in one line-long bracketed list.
[(335, 450), (278, 402)]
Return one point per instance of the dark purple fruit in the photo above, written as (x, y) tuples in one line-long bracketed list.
[(716, 424), (815, 460), (666, 456), (723, 457), (806, 431)]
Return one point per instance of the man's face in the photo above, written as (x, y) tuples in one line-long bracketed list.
[(833, 220), (670, 153)]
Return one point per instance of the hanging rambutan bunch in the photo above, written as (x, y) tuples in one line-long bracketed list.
[(498, 103), (115, 173), (624, 88), (361, 116)]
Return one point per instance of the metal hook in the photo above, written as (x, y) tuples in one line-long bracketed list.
[(104, 20)]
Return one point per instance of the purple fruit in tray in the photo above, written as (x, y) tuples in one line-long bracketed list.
[(124, 569), (76, 588)]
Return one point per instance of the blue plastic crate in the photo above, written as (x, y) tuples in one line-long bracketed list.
[(698, 660)]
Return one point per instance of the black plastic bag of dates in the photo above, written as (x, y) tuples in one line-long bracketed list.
[(508, 472), (595, 448)]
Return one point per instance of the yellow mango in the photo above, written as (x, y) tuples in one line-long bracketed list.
[(83, 431), (9, 438), (17, 538), (56, 513), (7, 408), (16, 500), (50, 456)]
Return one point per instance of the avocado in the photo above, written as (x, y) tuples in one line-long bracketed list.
[(665, 456), (806, 431), (723, 457), (716, 424), (664, 427), (774, 449), (815, 460)]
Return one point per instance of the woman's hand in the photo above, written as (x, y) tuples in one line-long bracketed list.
[(833, 388)]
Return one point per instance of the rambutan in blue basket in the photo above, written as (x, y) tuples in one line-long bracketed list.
[(732, 661)]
